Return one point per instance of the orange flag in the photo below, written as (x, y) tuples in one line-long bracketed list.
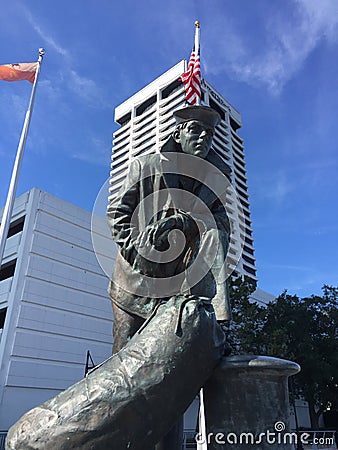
[(18, 72)]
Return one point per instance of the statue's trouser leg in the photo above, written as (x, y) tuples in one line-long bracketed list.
[(124, 327), (208, 266), (173, 439)]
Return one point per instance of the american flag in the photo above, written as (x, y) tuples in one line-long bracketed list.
[(192, 79)]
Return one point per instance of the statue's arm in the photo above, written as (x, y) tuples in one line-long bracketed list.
[(120, 212)]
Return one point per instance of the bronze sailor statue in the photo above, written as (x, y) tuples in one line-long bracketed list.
[(169, 290)]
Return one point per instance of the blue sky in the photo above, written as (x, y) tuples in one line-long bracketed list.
[(274, 60)]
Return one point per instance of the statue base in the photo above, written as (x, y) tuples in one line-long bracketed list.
[(247, 404)]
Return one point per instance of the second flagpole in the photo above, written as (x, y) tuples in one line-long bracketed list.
[(197, 48)]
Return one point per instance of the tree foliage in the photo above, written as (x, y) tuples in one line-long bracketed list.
[(247, 318), (303, 330)]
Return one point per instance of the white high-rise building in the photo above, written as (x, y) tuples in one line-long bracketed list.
[(54, 304), (146, 121)]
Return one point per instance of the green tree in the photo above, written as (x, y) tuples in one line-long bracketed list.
[(248, 318), (304, 330)]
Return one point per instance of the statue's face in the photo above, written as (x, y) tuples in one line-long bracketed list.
[(195, 138)]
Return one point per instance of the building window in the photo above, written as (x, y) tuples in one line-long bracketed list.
[(240, 169), (234, 125), (141, 152), (248, 260), (116, 157), (113, 193), (124, 120), (239, 161), (248, 250), (240, 177), (217, 108), (222, 155), (244, 203), (122, 137), (241, 193), (242, 186), (7, 270), (2, 320), (173, 87), (3, 313), (142, 142), (119, 164), (16, 226), (249, 270), (221, 136), (145, 106), (150, 131)]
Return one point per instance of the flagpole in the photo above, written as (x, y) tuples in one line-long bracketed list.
[(197, 49), (202, 432), (8, 209)]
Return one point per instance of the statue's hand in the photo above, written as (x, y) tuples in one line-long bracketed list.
[(161, 230), (157, 234), (189, 228), (153, 239)]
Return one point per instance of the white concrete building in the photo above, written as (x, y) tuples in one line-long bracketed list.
[(54, 305), (146, 121)]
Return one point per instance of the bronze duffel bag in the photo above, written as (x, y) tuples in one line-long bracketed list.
[(131, 400)]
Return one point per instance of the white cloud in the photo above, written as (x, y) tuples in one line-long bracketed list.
[(292, 267), (85, 88), (51, 91), (13, 106), (48, 39), (97, 152), (321, 17), (288, 38), (276, 188)]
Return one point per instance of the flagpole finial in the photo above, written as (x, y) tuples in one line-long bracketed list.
[(197, 24)]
